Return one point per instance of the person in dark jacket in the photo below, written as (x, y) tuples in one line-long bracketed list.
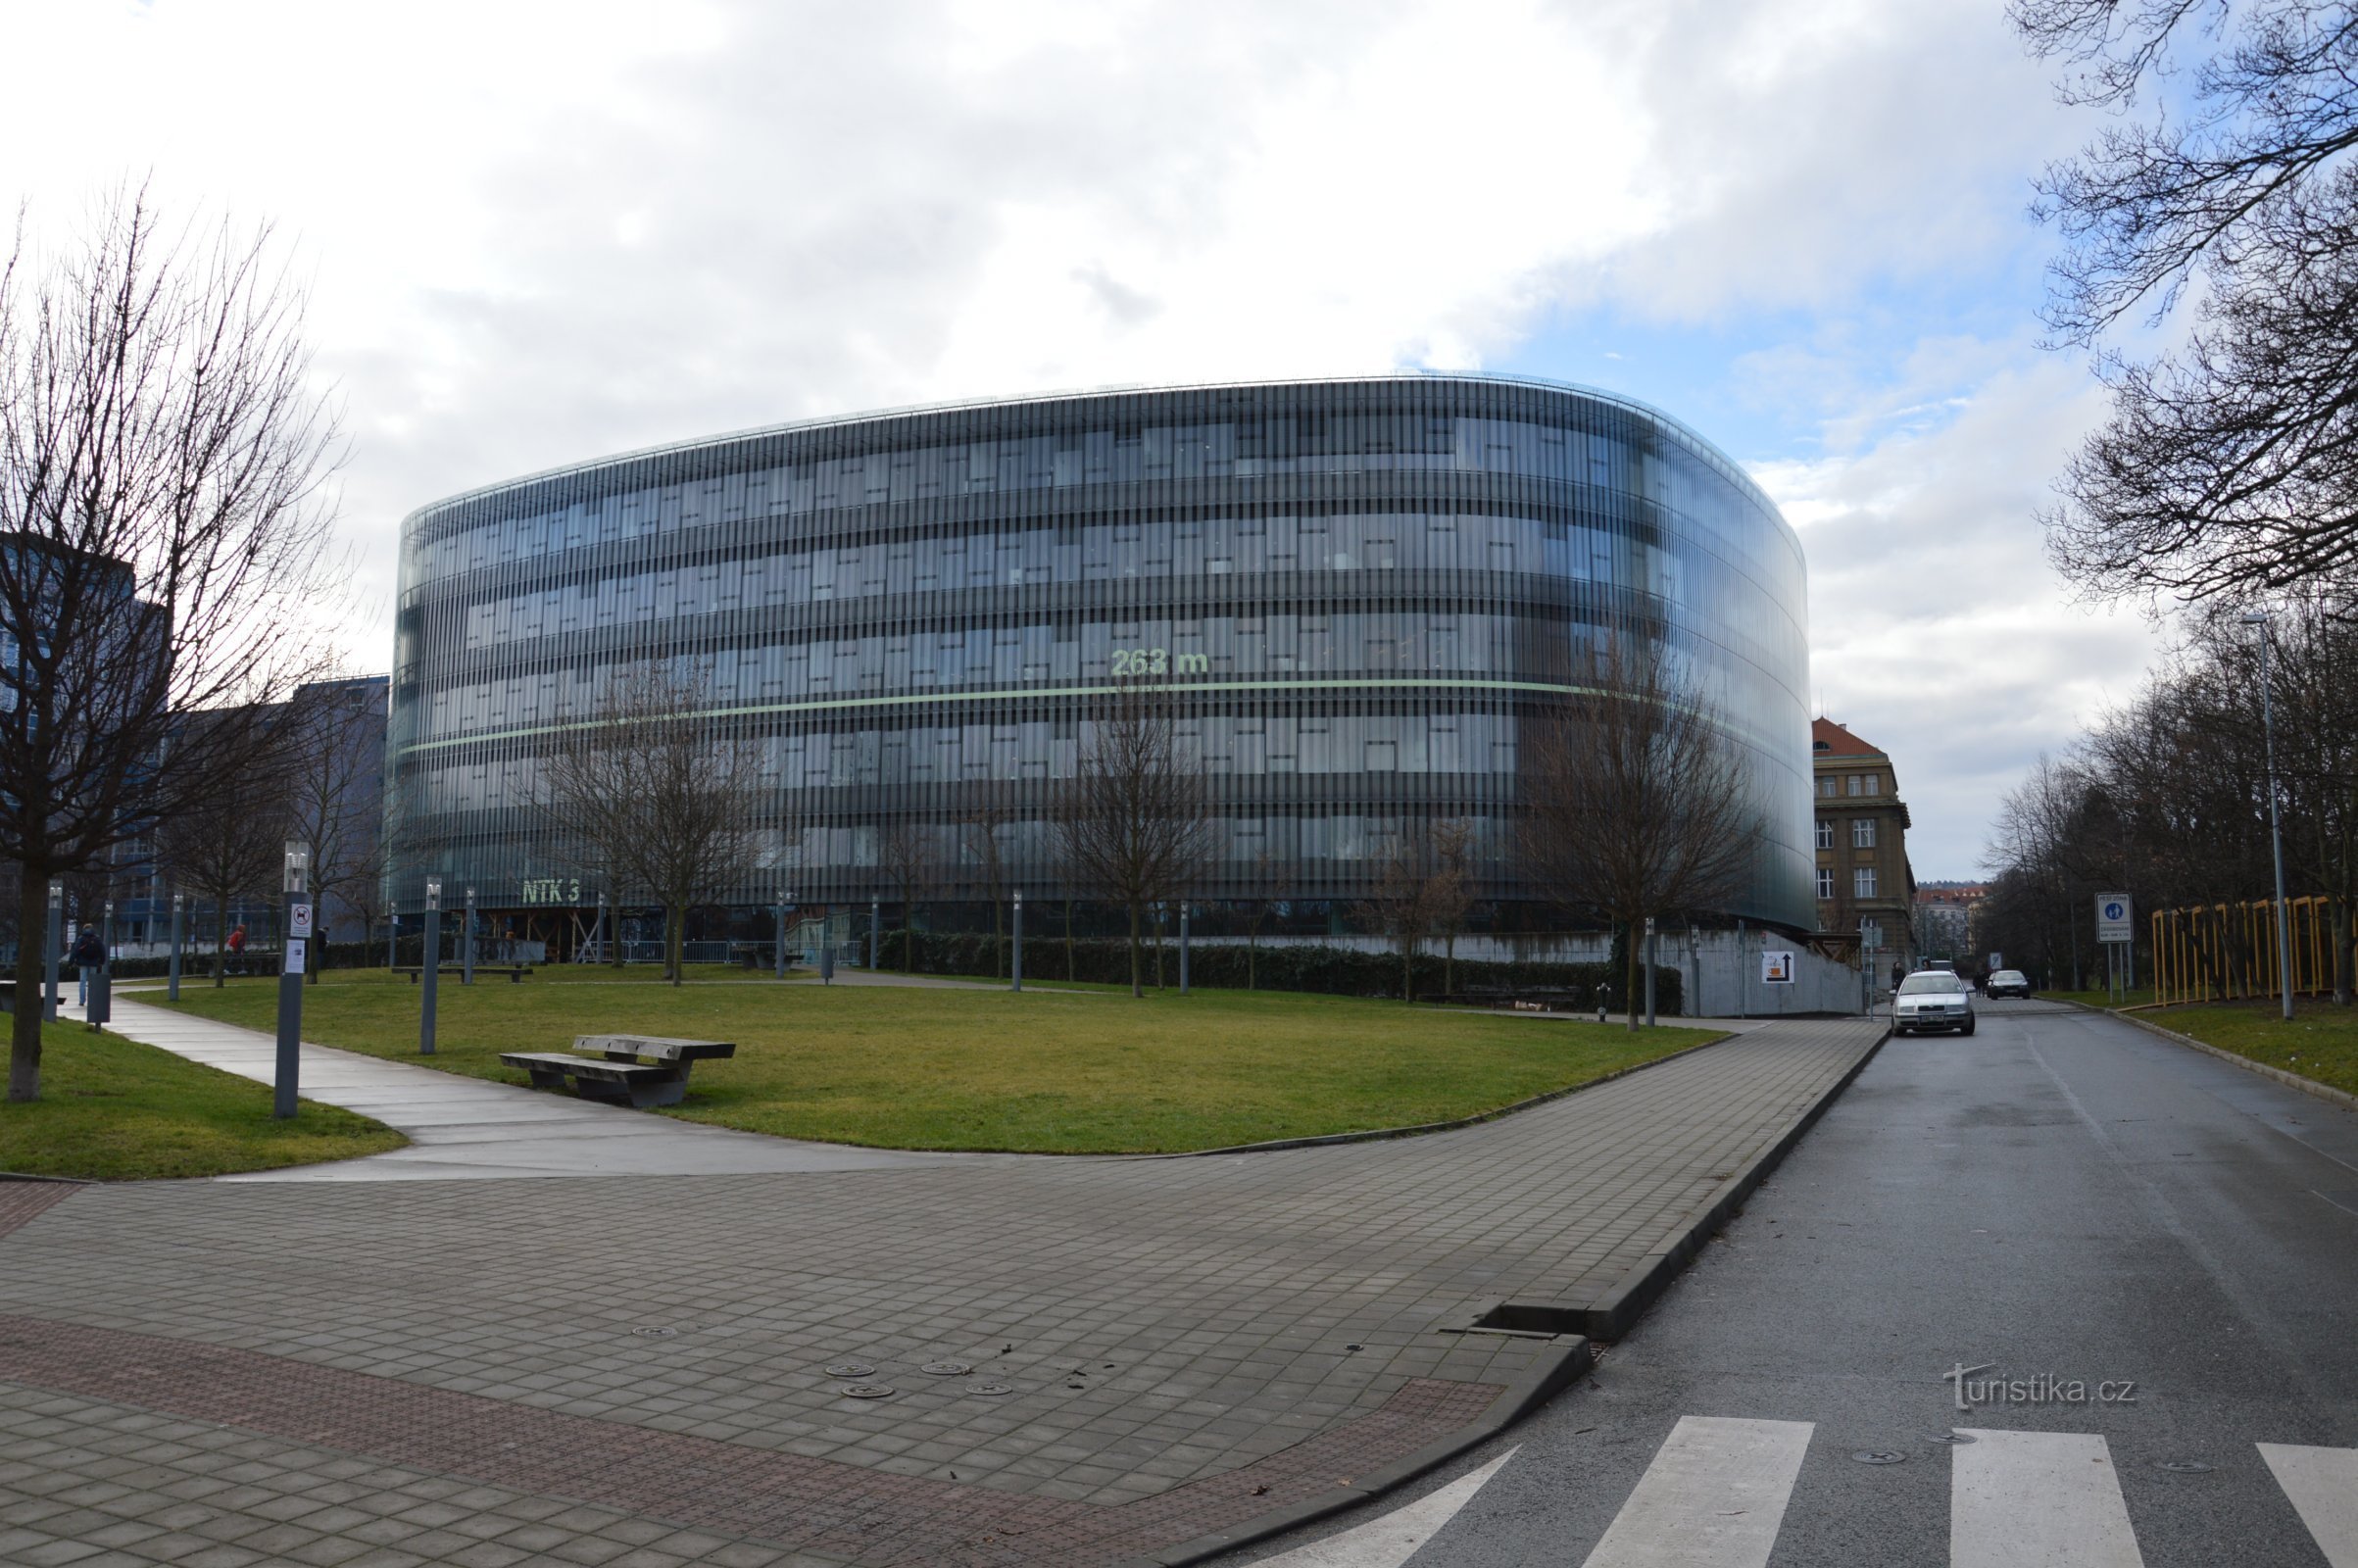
[(87, 955)]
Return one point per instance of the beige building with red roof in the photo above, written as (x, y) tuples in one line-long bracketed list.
[(1866, 890)]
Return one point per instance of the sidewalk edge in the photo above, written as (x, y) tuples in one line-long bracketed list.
[(1556, 1368), (1614, 1313)]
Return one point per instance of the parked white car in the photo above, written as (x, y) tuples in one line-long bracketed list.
[(1930, 1000)]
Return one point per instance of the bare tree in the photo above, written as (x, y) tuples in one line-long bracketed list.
[(228, 844), (1400, 908), (652, 798), (1452, 894), (163, 525), (1636, 802), (979, 836), (336, 741), (906, 856), (2225, 465), (1134, 821)]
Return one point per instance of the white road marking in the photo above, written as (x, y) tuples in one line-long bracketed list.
[(2017, 1499), (1713, 1497), (2323, 1484), (1393, 1540)]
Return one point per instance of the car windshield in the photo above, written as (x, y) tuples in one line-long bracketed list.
[(1917, 985), (2009, 977)]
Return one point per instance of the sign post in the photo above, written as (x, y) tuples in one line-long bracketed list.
[(290, 978), (2115, 929)]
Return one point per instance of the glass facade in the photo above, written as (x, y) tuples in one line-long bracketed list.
[(1358, 589)]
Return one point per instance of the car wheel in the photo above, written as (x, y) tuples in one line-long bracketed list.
[(1966, 1028)]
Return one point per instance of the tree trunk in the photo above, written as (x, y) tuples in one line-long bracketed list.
[(675, 931), (1635, 983), (1158, 950), (1137, 959), (1449, 965), (1070, 972), (1407, 971), (25, 1025)]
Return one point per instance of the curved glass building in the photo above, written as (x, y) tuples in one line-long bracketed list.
[(1360, 587)]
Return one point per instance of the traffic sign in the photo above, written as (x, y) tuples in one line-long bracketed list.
[(298, 920), (2113, 921), (1776, 968)]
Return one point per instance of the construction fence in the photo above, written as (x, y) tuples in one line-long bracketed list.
[(2228, 952)]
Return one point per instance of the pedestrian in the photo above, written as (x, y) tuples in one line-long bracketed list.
[(1899, 972), (237, 949), (508, 942), (87, 955)]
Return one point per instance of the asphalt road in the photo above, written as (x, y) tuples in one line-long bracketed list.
[(2060, 1194)]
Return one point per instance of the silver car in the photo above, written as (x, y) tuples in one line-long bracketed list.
[(1933, 999)]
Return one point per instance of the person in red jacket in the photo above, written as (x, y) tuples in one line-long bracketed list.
[(237, 949)]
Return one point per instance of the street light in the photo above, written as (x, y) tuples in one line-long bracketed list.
[(172, 990), (466, 941), (2276, 834), (430, 961), (99, 1008), (295, 940), (1017, 970), (785, 899)]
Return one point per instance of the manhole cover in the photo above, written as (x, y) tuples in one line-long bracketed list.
[(1954, 1437), (990, 1391), (866, 1390), (2182, 1467), (946, 1369), (655, 1333), (1880, 1456), (851, 1369)]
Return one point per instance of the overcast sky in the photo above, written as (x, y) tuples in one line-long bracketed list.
[(536, 234)]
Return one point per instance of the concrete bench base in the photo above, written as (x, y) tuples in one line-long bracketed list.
[(515, 972), (616, 1082)]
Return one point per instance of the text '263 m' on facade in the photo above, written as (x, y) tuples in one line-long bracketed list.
[(1358, 594)]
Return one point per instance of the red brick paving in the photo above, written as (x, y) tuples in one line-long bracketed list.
[(816, 1505), (20, 1201)]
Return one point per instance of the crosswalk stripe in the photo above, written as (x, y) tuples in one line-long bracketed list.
[(2019, 1498), (2323, 1484), (1713, 1497), (1393, 1540)]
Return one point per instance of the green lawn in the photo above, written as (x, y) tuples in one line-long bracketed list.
[(1049, 1071), (114, 1111), (2321, 1042)]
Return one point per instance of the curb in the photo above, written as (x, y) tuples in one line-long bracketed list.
[(1377, 1134), (2291, 1080), (1612, 1314), (1560, 1365)]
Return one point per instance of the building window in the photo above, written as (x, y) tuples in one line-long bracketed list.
[(1862, 833), (1825, 882), (1826, 786), (1857, 786), (1862, 881), (1824, 834), (1874, 784)]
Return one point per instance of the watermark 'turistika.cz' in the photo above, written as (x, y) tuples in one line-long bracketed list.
[(2042, 1388)]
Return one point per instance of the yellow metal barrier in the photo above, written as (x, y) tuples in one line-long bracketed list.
[(2228, 952)]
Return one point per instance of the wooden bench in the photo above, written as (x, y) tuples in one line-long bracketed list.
[(514, 972), (642, 1071)]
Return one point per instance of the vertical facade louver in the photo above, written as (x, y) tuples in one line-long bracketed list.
[(1360, 590)]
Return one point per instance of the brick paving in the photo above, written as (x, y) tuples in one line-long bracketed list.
[(1176, 1333)]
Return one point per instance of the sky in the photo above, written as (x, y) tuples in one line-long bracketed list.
[(538, 233)]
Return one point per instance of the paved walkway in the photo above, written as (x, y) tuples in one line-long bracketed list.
[(1088, 1359), (472, 1128)]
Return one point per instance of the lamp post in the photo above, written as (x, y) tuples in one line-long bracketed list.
[(1183, 948), (466, 941), (430, 961), (2276, 835), (57, 938), (784, 898), (1017, 970), (875, 933), (297, 929), (393, 939), (171, 989), (598, 935)]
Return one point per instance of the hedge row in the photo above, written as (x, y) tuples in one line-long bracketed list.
[(1331, 972)]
